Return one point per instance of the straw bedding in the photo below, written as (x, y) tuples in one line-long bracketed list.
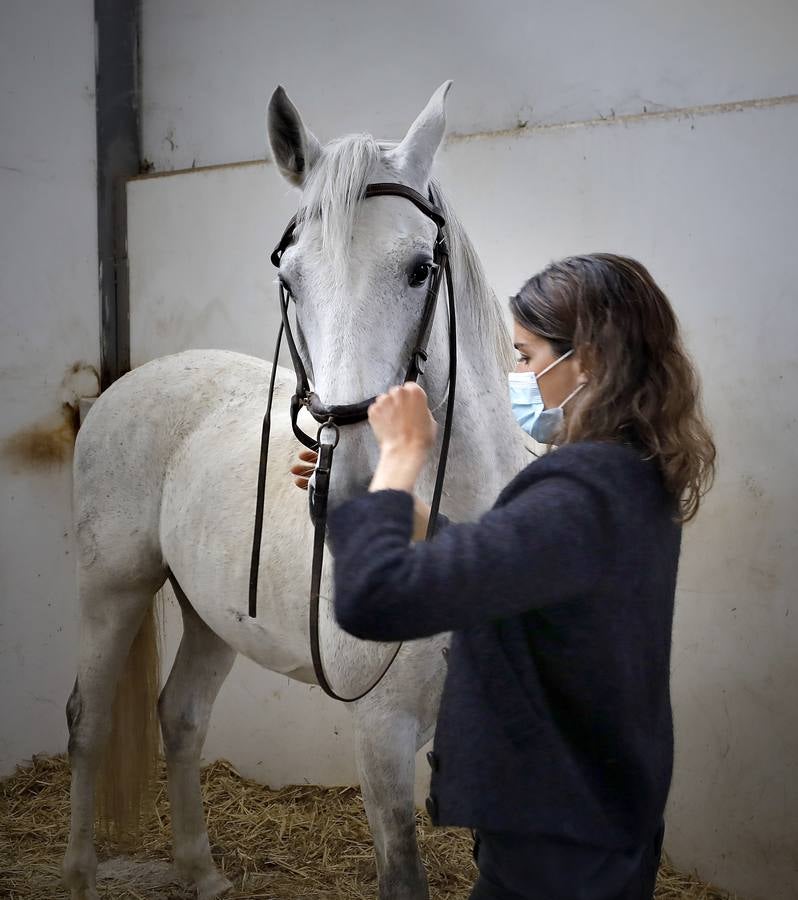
[(302, 841)]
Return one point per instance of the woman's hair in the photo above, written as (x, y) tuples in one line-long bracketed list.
[(641, 386)]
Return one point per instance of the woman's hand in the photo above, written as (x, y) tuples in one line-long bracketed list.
[(405, 430), (303, 470), (401, 420)]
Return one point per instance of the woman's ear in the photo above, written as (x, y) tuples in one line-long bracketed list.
[(582, 364)]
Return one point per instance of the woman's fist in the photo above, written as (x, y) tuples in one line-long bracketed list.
[(401, 419), (405, 430)]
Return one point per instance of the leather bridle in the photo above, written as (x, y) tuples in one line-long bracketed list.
[(331, 418)]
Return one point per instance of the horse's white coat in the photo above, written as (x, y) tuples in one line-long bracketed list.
[(166, 468)]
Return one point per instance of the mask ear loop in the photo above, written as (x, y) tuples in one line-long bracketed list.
[(573, 393), (553, 364)]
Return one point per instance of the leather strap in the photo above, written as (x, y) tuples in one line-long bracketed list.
[(335, 416), (447, 427), (261, 494), (352, 413), (377, 189), (321, 492), (319, 514)]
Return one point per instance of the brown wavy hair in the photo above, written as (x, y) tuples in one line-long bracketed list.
[(642, 386)]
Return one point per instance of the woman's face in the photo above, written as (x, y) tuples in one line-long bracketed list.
[(534, 353)]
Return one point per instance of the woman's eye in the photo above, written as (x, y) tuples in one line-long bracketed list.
[(420, 274), (522, 360)]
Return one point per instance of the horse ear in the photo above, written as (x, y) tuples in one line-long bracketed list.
[(417, 149), (295, 149)]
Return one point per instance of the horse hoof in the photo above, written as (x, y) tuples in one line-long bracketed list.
[(79, 879), (214, 885), (88, 893)]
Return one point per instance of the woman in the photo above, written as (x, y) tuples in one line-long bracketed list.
[(554, 737)]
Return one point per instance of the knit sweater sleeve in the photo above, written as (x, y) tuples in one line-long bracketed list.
[(545, 545)]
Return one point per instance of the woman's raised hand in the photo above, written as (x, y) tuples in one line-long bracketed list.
[(401, 420)]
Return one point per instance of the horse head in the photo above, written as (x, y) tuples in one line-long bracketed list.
[(359, 270)]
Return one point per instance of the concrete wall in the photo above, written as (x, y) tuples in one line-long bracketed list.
[(209, 67), (49, 347)]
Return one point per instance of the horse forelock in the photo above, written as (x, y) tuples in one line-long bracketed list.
[(331, 195), (332, 191)]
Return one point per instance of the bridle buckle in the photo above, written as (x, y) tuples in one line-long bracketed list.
[(330, 423)]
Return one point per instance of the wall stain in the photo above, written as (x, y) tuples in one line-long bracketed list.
[(49, 442), (46, 444)]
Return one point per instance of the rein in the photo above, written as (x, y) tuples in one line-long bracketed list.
[(332, 418)]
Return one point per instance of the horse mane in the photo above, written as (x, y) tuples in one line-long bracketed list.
[(331, 194), (470, 281)]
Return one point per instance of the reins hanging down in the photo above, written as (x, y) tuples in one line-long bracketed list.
[(331, 418)]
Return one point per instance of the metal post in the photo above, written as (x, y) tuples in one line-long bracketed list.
[(118, 155)]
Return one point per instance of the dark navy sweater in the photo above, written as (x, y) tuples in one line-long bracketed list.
[(556, 716)]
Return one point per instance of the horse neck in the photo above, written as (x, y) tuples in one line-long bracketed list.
[(487, 447)]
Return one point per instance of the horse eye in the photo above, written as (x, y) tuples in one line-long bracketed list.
[(420, 274)]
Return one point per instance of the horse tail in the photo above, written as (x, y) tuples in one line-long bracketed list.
[(129, 768)]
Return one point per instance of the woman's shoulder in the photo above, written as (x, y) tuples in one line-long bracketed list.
[(607, 477), (595, 453), (602, 464)]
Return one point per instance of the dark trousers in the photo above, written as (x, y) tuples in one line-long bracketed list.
[(531, 867)]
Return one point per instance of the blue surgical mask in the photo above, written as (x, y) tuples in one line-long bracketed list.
[(525, 399), (540, 423)]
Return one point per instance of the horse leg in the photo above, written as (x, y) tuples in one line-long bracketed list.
[(110, 620), (386, 768), (202, 663), (391, 724)]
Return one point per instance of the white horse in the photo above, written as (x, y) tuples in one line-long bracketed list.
[(165, 473)]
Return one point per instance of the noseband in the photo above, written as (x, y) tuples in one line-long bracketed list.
[(332, 417)]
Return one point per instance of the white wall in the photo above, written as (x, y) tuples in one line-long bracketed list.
[(209, 67), (227, 257), (49, 322)]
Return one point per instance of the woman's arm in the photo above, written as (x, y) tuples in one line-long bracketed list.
[(546, 545)]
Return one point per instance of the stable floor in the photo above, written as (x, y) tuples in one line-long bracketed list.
[(302, 841)]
